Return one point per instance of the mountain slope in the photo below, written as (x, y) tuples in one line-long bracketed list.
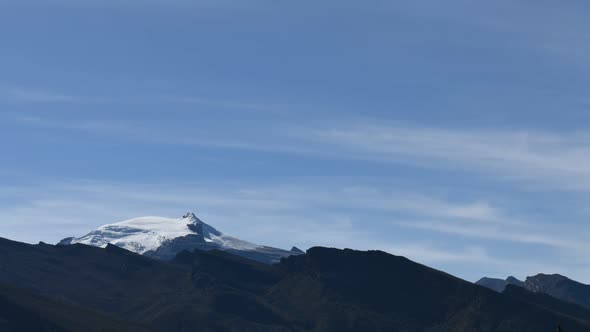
[(113, 281), (555, 285), (323, 290), (356, 290), (546, 301), (23, 311), (164, 238), (560, 287)]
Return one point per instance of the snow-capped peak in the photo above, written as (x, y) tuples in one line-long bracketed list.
[(139, 235), (191, 218), (165, 237)]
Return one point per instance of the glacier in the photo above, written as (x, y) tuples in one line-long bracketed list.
[(163, 238)]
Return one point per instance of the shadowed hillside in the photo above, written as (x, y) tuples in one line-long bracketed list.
[(22, 311), (323, 290)]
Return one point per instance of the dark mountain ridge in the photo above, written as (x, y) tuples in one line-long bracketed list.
[(322, 290)]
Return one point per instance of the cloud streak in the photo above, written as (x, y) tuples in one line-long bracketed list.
[(37, 96), (545, 159), (33, 96), (526, 234), (554, 159), (271, 207)]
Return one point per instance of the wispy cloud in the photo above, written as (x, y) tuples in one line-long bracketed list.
[(527, 234), (37, 96), (539, 158), (40, 96), (203, 138), (229, 104), (302, 207), (554, 159), (429, 254)]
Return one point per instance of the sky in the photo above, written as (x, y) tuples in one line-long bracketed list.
[(455, 133)]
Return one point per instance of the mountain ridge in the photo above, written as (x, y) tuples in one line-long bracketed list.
[(325, 289), (555, 285)]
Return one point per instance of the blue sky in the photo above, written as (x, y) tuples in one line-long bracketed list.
[(455, 133)]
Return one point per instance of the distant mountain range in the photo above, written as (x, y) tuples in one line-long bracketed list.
[(499, 285), (78, 287), (555, 285), (163, 238)]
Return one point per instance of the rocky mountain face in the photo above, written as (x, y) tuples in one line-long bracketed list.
[(164, 238), (555, 285), (322, 290), (560, 287)]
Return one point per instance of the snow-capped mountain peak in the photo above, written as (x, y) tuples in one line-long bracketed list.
[(164, 238), (191, 218), (199, 227)]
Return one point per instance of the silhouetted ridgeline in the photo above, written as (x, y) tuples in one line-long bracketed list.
[(81, 288)]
